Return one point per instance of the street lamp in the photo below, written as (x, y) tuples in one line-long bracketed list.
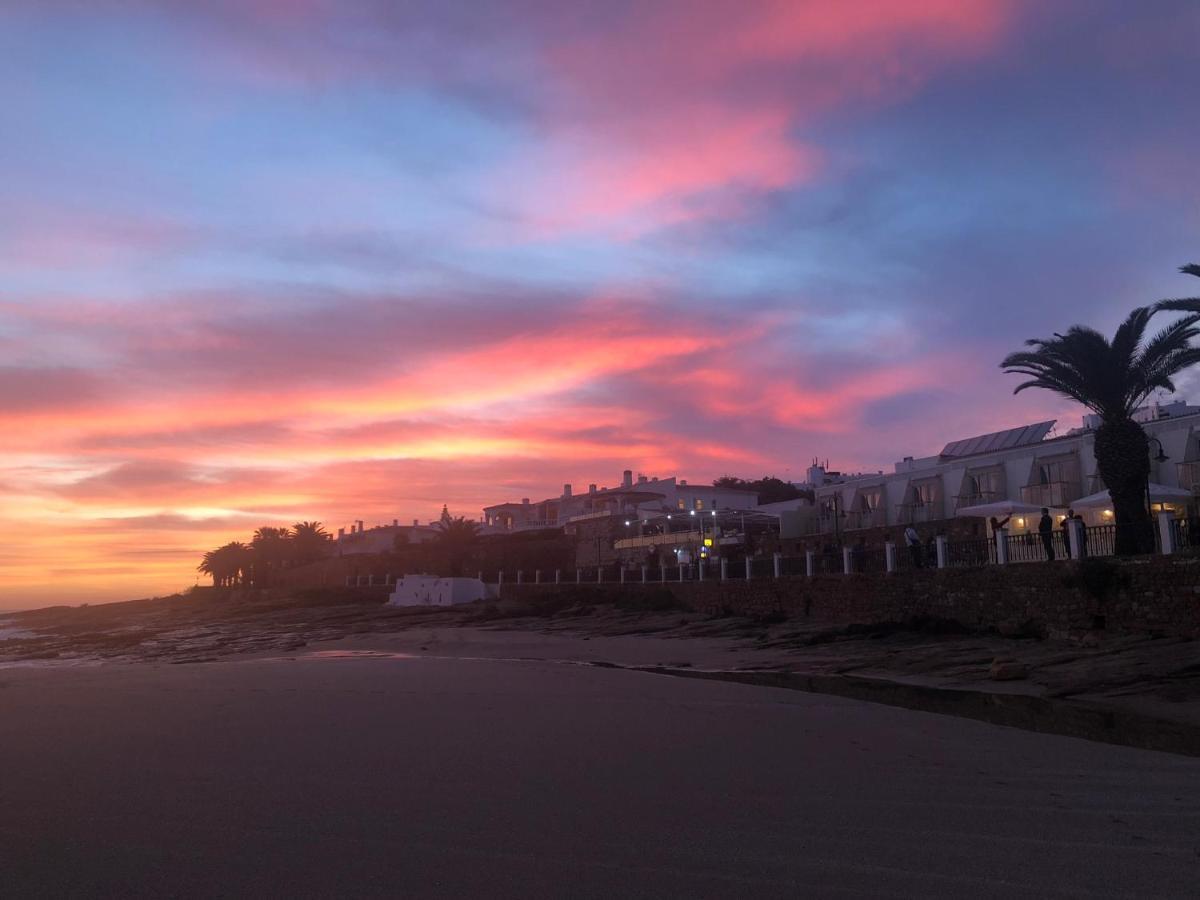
[(1160, 457)]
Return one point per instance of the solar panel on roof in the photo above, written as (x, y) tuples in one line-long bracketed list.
[(999, 440)]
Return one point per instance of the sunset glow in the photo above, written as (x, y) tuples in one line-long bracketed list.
[(266, 261)]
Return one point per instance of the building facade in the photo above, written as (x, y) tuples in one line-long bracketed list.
[(1026, 465)]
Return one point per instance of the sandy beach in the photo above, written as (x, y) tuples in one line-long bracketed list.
[(270, 747), (359, 772)]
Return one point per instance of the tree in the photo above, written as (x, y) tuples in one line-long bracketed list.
[(456, 535), (1113, 379), (229, 565), (310, 542), (768, 488), (270, 548), (1188, 304)]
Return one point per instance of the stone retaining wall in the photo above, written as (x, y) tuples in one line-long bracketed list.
[(1159, 595)]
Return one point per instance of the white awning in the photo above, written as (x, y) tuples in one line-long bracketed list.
[(999, 508), (1159, 493)]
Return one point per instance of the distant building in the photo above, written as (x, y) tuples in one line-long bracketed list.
[(381, 538), (1024, 464), (640, 498)]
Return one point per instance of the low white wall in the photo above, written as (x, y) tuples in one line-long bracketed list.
[(429, 590)]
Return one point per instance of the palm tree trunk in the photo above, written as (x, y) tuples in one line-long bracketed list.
[(1123, 461)]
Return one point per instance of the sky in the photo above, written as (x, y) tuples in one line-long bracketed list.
[(264, 261)]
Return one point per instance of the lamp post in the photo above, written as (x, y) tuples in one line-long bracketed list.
[(1159, 457)]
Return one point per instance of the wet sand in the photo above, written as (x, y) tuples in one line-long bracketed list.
[(335, 773)]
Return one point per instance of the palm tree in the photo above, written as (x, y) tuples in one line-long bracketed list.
[(1113, 379), (310, 541), (209, 565), (228, 565), (270, 548), (456, 535), (1188, 304)]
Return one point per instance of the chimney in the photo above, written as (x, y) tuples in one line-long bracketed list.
[(360, 526), (642, 479), (341, 535), (627, 478), (683, 482), (591, 489), (416, 522), (566, 490), (395, 523), (524, 501)]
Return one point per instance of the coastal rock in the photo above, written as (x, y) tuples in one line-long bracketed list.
[(1007, 670)]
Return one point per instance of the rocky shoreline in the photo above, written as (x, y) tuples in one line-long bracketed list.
[(1137, 690)]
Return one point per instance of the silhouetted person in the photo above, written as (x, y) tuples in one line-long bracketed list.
[(1083, 535), (931, 552), (913, 540), (1046, 530), (997, 524)]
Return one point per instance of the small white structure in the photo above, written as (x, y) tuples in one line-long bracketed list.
[(430, 590)]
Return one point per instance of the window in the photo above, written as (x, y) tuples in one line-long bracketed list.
[(699, 503)]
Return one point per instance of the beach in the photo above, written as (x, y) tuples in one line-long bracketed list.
[(366, 773), (338, 747)]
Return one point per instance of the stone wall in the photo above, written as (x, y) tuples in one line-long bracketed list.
[(1159, 595)]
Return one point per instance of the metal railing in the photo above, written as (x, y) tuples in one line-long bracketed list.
[(976, 499), (1055, 493), (1189, 474)]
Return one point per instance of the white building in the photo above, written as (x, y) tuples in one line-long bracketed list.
[(644, 497), (381, 538), (1025, 464)]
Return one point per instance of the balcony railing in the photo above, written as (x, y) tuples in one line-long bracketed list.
[(1189, 476), (977, 498), (921, 512), (865, 518), (1054, 493)]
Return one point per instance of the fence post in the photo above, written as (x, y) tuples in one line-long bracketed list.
[(520, 576), (681, 571), (700, 570), (889, 556), (724, 569), (349, 578), (579, 576), (558, 576), (749, 568), (537, 576), (500, 577), (599, 574), (622, 574), (479, 575), (662, 570), (810, 563), (1002, 547), (847, 562), (645, 569), (1166, 533), (943, 556), (778, 565)]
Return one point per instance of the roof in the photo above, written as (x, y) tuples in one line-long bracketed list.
[(999, 440)]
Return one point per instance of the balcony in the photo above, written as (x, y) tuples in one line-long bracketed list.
[(917, 513), (865, 518), (1054, 493), (977, 498), (1189, 475)]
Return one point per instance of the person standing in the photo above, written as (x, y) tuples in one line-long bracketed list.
[(1066, 532), (913, 540), (1046, 530)]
